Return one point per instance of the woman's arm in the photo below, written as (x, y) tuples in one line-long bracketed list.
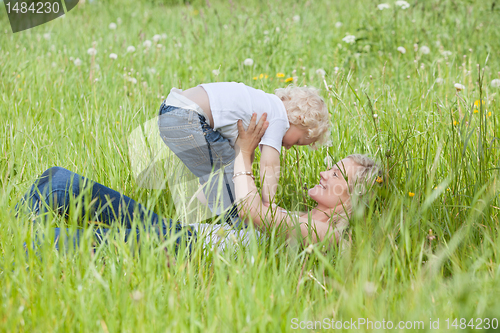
[(249, 200)]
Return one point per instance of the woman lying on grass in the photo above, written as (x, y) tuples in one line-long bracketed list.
[(352, 176)]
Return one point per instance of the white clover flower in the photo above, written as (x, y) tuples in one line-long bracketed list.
[(147, 43), (215, 72), (425, 50), (113, 56), (278, 29), (415, 47), (46, 35), (77, 62), (439, 80), (446, 53), (320, 72), (296, 18), (336, 70), (130, 49), (266, 32), (248, 62), (112, 26), (401, 50), (309, 249), (383, 6), (375, 115), (495, 83), (132, 79), (159, 46), (349, 39), (163, 36), (459, 86), (338, 25), (156, 38), (92, 51), (119, 20), (402, 4)]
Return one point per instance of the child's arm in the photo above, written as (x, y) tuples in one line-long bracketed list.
[(269, 172)]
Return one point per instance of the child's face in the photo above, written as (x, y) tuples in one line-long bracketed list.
[(296, 135)]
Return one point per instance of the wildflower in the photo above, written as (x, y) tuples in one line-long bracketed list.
[(320, 72), (411, 194), (156, 38), (338, 25), (119, 20), (159, 46), (489, 114), (439, 80), (163, 36), (401, 50), (309, 249), (290, 79), (113, 56), (370, 288), (425, 50), (349, 39), (248, 62), (431, 237), (261, 76), (215, 72), (478, 102), (77, 62), (446, 53), (383, 6), (402, 4), (278, 29), (455, 123), (137, 295), (296, 18), (133, 80), (459, 86), (46, 35), (379, 180), (495, 83), (147, 43), (255, 77), (130, 49), (336, 70), (280, 75), (92, 51), (112, 26), (375, 115)]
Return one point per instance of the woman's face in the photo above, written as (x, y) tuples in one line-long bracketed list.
[(333, 189)]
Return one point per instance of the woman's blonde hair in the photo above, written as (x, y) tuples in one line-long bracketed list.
[(366, 176), (306, 107)]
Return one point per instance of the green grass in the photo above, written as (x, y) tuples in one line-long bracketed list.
[(426, 135)]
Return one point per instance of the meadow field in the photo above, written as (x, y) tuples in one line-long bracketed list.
[(414, 85)]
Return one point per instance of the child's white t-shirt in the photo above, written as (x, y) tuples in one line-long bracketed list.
[(231, 101)]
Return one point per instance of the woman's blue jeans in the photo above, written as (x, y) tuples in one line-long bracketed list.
[(56, 187)]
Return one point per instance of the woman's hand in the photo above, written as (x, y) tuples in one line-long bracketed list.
[(249, 140)]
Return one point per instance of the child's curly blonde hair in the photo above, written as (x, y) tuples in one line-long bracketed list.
[(306, 107)]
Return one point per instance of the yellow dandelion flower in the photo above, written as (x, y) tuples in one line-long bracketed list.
[(280, 75), (489, 114), (290, 79), (455, 123), (20, 89), (379, 179), (266, 76), (261, 76), (476, 111), (476, 103), (411, 194), (18, 76), (255, 77), (448, 189)]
